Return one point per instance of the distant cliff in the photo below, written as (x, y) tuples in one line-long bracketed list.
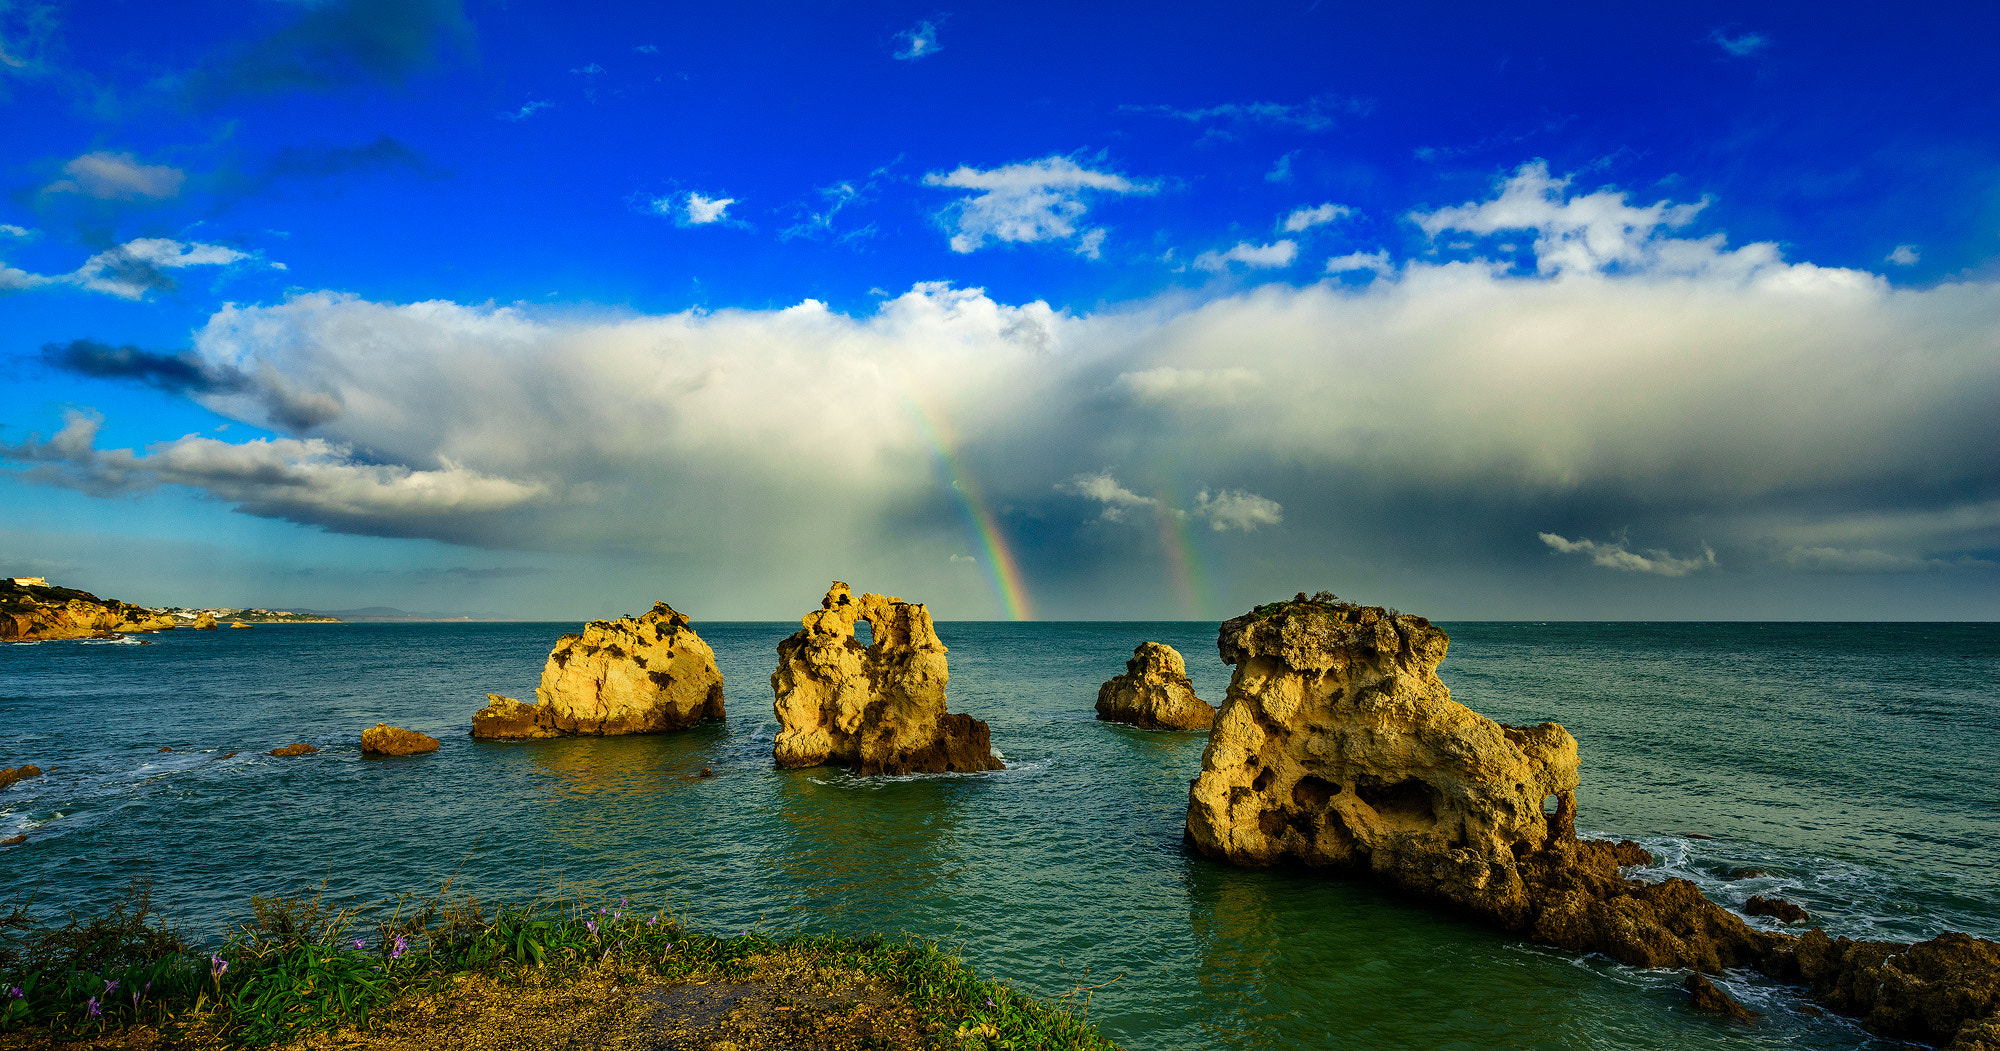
[(31, 613)]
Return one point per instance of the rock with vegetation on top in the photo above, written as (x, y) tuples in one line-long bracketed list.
[(1338, 746), (1154, 693), (632, 675), (19, 773), (877, 708), (34, 613), (204, 622), (383, 739)]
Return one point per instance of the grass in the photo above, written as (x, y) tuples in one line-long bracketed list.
[(302, 969)]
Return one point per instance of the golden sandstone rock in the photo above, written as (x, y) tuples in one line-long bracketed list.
[(39, 612), (627, 676), (878, 708), (294, 749), (1338, 746), (205, 622), (383, 739), (19, 773), (1154, 693)]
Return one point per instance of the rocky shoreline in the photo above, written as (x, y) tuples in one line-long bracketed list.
[(33, 610)]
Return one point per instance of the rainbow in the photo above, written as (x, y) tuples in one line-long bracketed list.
[(1183, 557), (1001, 567)]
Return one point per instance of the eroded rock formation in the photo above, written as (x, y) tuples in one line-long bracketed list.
[(1338, 746), (204, 622), (878, 708), (632, 675), (383, 739), (1154, 693), (35, 613)]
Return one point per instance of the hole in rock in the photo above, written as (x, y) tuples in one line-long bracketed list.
[(1272, 822), (1549, 807), (1313, 793), (864, 632), (1411, 800), (1263, 782)]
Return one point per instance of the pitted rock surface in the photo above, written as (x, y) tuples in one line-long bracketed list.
[(1154, 693), (877, 708), (1337, 745), (632, 675)]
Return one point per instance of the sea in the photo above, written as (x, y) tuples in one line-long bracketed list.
[(1851, 768)]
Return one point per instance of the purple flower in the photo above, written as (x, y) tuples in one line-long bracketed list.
[(402, 946), (110, 986), (16, 993), (592, 924), (361, 943), (217, 966), (989, 1001), (655, 920), (95, 1010)]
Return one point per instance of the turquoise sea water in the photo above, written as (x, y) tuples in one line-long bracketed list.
[(1855, 764)]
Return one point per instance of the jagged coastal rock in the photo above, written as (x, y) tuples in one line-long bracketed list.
[(38, 612), (19, 773), (383, 739), (1154, 693), (632, 675), (878, 708), (1338, 746)]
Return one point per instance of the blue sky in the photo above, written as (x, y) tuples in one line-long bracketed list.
[(1683, 311)]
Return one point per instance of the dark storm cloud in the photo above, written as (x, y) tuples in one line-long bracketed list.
[(320, 162), (336, 43), (178, 372)]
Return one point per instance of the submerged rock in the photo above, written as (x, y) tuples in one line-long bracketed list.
[(877, 708), (1704, 995), (36, 612), (1154, 693), (383, 739), (19, 773), (632, 675), (1776, 908), (297, 749), (1338, 746)]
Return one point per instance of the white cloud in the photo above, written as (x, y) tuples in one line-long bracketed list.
[(1614, 555), (703, 210), (1027, 202), (1104, 489), (1318, 114), (1596, 232), (131, 270), (1741, 45), (1377, 261), (117, 177), (1267, 257), (1303, 219), (528, 109), (918, 41), (1281, 171), (1904, 255), (20, 232), (1235, 509), (1169, 385), (1090, 244)]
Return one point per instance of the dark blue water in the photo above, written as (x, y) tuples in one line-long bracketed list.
[(1855, 764)]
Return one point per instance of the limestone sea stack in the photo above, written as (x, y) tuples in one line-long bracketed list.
[(877, 708), (1338, 746), (383, 739), (204, 622), (632, 675), (1154, 693)]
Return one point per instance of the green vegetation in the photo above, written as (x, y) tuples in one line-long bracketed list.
[(300, 965)]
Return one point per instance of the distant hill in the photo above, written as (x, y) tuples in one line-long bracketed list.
[(384, 614)]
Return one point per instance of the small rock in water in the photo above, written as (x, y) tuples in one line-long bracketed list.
[(1696, 835), (706, 772), (1704, 995), (293, 749), (1154, 693), (1736, 874), (383, 739), (15, 840), (1776, 908), (163, 749), (19, 773)]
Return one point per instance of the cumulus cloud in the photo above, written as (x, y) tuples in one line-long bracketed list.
[(1235, 509), (1420, 423), (1104, 488), (117, 177), (1615, 555), (1303, 219), (1027, 202), (704, 210), (918, 41), (1377, 261), (1904, 255), (1265, 257)]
